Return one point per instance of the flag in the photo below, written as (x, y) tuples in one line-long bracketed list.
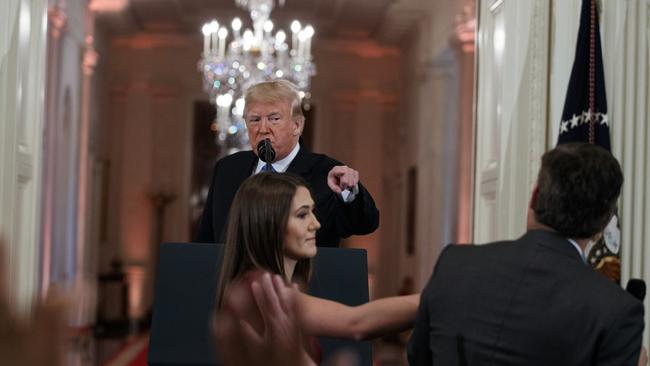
[(585, 119)]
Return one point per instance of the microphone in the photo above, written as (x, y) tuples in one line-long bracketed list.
[(265, 152), (636, 288)]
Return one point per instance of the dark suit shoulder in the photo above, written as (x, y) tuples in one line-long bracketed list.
[(326, 159), (462, 252), (236, 159), (318, 160), (456, 256), (604, 291), (313, 166)]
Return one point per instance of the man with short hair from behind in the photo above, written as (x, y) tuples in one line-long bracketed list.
[(273, 111), (534, 300)]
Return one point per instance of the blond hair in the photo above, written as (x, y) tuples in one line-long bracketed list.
[(273, 92)]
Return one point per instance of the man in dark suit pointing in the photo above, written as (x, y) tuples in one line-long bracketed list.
[(534, 301), (273, 111)]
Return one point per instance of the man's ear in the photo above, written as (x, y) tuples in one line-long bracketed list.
[(533, 197), (299, 125), (531, 221)]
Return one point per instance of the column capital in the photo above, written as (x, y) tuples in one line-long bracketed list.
[(57, 20), (465, 32), (90, 56)]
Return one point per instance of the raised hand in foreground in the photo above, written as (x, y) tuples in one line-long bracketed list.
[(279, 341), (29, 342)]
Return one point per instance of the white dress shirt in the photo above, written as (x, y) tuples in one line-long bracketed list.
[(582, 254)]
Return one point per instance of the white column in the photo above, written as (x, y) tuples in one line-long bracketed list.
[(57, 21), (22, 81), (437, 159), (464, 44), (85, 282)]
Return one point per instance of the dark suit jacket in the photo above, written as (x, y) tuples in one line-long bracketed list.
[(532, 301), (338, 219)]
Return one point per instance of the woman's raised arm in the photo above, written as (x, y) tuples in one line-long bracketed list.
[(322, 317)]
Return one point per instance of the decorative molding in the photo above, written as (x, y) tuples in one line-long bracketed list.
[(538, 77), (496, 6), (8, 18)]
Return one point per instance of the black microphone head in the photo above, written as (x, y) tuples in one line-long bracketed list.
[(636, 287), (265, 151)]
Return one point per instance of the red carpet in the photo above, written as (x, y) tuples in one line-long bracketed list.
[(134, 353), (141, 358)]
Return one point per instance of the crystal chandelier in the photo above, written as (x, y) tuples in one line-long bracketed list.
[(231, 65)]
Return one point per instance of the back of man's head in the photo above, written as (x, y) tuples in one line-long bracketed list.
[(578, 186)]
